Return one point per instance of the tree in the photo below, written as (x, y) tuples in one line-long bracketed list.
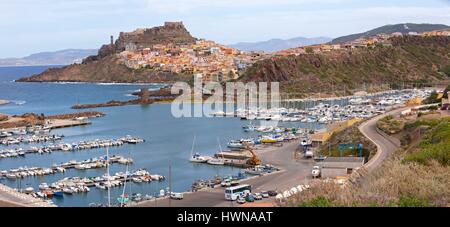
[(433, 98), (309, 50), (447, 89), (446, 70)]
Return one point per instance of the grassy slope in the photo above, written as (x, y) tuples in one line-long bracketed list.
[(411, 59), (418, 178), (351, 135)]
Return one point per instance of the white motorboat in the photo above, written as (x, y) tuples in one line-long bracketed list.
[(235, 145), (256, 170), (216, 161), (43, 186), (219, 114), (197, 158), (137, 180), (11, 176)]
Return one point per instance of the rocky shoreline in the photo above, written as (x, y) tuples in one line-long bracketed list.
[(111, 103), (24, 120)]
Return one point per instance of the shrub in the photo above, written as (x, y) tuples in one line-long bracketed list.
[(317, 202), (413, 202), (433, 98), (447, 89), (446, 70), (436, 145)]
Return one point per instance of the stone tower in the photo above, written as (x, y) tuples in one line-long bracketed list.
[(112, 45)]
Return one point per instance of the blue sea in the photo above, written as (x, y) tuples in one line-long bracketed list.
[(168, 139)]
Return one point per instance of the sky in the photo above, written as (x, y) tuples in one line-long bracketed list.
[(31, 26)]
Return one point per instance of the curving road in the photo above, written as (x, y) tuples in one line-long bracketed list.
[(386, 145), (295, 172)]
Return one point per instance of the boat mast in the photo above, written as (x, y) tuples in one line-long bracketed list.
[(125, 184), (170, 183), (109, 184), (192, 149), (218, 142)]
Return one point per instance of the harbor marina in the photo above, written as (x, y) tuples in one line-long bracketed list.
[(91, 163), (169, 138), (82, 145), (74, 185)]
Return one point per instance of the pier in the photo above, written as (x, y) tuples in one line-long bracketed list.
[(75, 185), (92, 163), (82, 145)]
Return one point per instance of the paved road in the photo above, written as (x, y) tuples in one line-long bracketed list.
[(295, 172), (385, 145)]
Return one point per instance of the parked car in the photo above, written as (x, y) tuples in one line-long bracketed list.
[(265, 194), (258, 196), (315, 171), (241, 200), (309, 154), (250, 198), (177, 196), (226, 183), (272, 193)]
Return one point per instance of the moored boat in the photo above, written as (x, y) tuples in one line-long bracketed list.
[(216, 161)]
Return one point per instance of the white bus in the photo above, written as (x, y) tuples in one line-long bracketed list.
[(233, 193)]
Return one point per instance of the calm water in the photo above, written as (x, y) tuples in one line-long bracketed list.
[(168, 139)]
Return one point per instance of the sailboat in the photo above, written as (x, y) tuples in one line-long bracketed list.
[(249, 128), (197, 158), (217, 161), (124, 199)]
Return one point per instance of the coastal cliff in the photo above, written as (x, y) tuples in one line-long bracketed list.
[(407, 60), (410, 59), (105, 70), (106, 66), (171, 32)]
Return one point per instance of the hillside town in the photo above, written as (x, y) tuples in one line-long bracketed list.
[(214, 61), (369, 42)]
